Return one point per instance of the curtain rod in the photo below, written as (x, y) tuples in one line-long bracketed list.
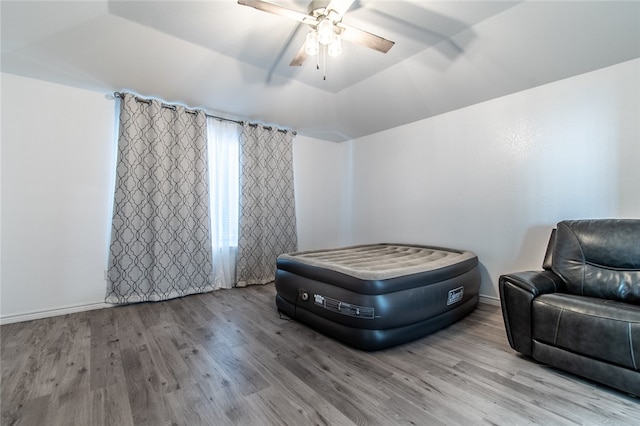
[(173, 107)]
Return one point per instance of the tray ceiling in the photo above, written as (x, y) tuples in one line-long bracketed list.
[(233, 60)]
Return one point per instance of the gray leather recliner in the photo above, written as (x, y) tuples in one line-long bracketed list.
[(581, 313)]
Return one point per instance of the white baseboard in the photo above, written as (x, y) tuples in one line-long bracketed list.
[(8, 319), (490, 300)]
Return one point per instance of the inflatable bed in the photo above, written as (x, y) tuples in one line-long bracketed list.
[(379, 295)]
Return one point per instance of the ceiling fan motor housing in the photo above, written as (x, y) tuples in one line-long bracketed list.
[(318, 10)]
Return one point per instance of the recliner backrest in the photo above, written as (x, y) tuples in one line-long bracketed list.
[(599, 258), (547, 262)]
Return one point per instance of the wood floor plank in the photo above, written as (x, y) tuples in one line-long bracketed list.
[(71, 408), (228, 358), (188, 405), (110, 406), (144, 387), (224, 397), (32, 413), (331, 389), (422, 396), (246, 376), (164, 345), (131, 331), (105, 359), (310, 406)]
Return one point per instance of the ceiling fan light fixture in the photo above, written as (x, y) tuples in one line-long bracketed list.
[(311, 45), (325, 31), (324, 17), (335, 46)]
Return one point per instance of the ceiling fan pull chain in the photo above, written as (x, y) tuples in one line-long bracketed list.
[(324, 62)]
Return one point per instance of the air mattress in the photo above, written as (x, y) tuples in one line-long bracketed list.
[(378, 295)]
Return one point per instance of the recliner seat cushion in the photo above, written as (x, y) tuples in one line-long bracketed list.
[(602, 329), (599, 258)]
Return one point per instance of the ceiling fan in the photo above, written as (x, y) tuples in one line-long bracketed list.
[(327, 28)]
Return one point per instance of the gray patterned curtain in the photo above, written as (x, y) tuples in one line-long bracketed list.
[(267, 223), (160, 238)]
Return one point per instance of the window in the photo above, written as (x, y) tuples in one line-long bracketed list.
[(223, 145)]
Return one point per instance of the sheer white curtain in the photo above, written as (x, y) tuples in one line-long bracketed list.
[(223, 139)]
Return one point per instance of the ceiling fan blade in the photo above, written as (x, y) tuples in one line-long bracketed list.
[(278, 10), (284, 49), (298, 60), (354, 35), (340, 7)]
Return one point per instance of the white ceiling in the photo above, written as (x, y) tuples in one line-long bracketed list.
[(232, 60)]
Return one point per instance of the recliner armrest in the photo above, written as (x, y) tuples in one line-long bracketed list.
[(517, 292), (536, 282)]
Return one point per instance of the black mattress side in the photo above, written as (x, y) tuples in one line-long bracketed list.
[(376, 339)]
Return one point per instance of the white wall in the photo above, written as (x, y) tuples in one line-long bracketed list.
[(320, 173), (58, 156), (57, 162), (494, 178)]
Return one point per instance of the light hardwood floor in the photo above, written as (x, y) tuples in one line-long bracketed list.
[(228, 358)]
